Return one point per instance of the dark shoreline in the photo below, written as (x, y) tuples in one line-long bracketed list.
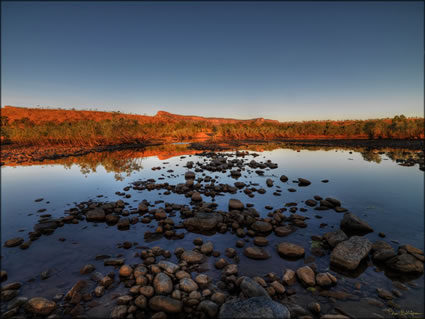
[(369, 144), (20, 154)]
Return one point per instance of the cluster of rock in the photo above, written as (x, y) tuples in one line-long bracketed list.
[(163, 288)]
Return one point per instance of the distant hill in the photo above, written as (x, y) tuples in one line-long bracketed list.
[(38, 115), (34, 126), (215, 120)]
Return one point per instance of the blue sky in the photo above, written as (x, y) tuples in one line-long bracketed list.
[(280, 60)]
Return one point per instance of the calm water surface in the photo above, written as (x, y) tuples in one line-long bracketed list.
[(386, 195)]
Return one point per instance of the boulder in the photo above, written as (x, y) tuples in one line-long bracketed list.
[(303, 182), (165, 304), (141, 302), (125, 271), (283, 178), (41, 306), (95, 215), (13, 242), (412, 250), (333, 201), (256, 307), (188, 285), (45, 228), (405, 263), (235, 173), (354, 225), (207, 248), (189, 175), (290, 250), (283, 231), (289, 277), (325, 279), (119, 312), (196, 197), (384, 254), (192, 257), (335, 237), (311, 202), (262, 227), (256, 253), (235, 204), (168, 266), (162, 284), (306, 276), (349, 253), (203, 221), (250, 288), (209, 308)]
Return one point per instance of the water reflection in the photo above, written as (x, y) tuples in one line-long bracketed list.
[(395, 194), (119, 162), (125, 162)]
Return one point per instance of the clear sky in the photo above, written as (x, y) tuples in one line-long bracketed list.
[(279, 60)]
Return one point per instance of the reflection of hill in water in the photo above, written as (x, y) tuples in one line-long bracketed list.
[(121, 161), (130, 160)]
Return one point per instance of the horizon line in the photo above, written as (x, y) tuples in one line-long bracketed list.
[(52, 108)]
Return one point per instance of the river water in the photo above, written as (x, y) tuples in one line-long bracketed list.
[(389, 197)]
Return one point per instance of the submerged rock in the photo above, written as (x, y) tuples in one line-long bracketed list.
[(235, 204), (95, 215), (192, 257), (262, 227), (335, 237), (306, 276), (162, 284), (188, 285), (250, 288), (256, 253), (208, 307), (13, 242), (405, 263), (290, 250), (41, 306), (166, 304), (203, 221), (256, 307)]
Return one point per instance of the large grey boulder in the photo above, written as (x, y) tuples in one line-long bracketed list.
[(349, 253), (256, 307)]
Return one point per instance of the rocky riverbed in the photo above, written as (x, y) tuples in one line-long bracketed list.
[(215, 260)]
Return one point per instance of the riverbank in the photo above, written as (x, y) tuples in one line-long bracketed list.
[(19, 155)]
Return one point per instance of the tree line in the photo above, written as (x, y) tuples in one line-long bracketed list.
[(122, 130)]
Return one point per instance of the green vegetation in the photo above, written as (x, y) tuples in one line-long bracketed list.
[(399, 128), (119, 130)]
